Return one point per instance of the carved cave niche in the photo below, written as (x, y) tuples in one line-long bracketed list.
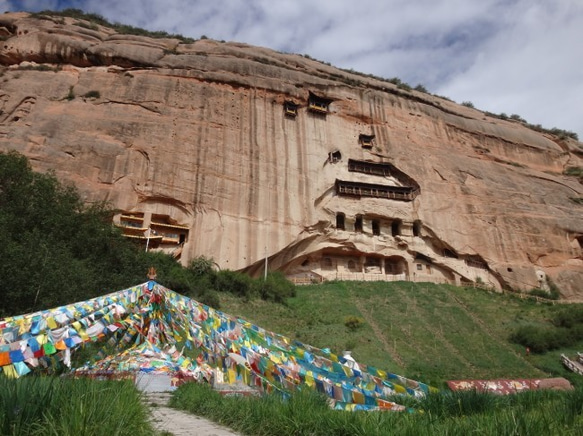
[(376, 227), (340, 221), (396, 227), (353, 266), (334, 156), (358, 224), (417, 228), (395, 265), (372, 265), (327, 263)]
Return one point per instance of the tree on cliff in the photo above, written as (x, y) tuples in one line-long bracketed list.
[(54, 249)]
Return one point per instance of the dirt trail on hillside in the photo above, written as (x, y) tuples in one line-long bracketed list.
[(377, 331), (421, 319), (178, 423)]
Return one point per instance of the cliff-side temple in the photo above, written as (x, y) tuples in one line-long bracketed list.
[(243, 154)]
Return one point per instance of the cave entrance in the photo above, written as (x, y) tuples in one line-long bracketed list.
[(396, 227), (417, 226), (358, 224), (395, 265), (376, 227), (340, 219)]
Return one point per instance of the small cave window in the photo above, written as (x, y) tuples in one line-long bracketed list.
[(428, 269), (334, 156), (327, 262), (290, 108), (419, 267), (358, 224), (351, 265), (417, 228), (366, 141), (376, 227), (396, 227), (340, 219), (305, 263)]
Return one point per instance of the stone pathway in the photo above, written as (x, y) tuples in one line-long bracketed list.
[(178, 423)]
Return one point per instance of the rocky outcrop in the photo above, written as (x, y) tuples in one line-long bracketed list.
[(197, 134)]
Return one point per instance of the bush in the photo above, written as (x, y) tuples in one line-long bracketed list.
[(537, 292), (353, 322), (568, 317), (574, 171), (541, 339), (468, 104), (276, 287), (95, 19), (235, 283), (202, 266)]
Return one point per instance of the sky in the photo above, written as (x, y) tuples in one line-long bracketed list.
[(522, 57)]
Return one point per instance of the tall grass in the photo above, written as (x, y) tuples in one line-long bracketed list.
[(68, 407), (452, 413)]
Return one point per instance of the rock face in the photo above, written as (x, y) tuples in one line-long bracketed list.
[(352, 178)]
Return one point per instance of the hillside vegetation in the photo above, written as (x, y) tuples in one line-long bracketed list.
[(56, 250), (424, 331)]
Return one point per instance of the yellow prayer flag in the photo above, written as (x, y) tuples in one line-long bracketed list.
[(357, 397), (9, 371), (310, 379), (51, 322)]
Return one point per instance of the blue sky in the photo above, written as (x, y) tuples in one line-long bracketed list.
[(514, 56)]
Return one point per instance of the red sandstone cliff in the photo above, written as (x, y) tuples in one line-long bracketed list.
[(196, 136)]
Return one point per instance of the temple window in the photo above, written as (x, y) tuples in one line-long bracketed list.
[(318, 104), (366, 141), (290, 108)]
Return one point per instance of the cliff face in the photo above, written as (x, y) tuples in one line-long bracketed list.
[(199, 137)]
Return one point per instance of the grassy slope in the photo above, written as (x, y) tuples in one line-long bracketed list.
[(429, 332)]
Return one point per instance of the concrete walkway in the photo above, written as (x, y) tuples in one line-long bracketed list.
[(178, 423)]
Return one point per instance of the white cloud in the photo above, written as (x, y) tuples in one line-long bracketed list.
[(512, 56), (532, 67)]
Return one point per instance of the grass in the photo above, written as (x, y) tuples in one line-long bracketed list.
[(428, 332), (307, 413), (68, 407)]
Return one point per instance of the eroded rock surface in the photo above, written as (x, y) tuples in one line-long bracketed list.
[(197, 133)]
